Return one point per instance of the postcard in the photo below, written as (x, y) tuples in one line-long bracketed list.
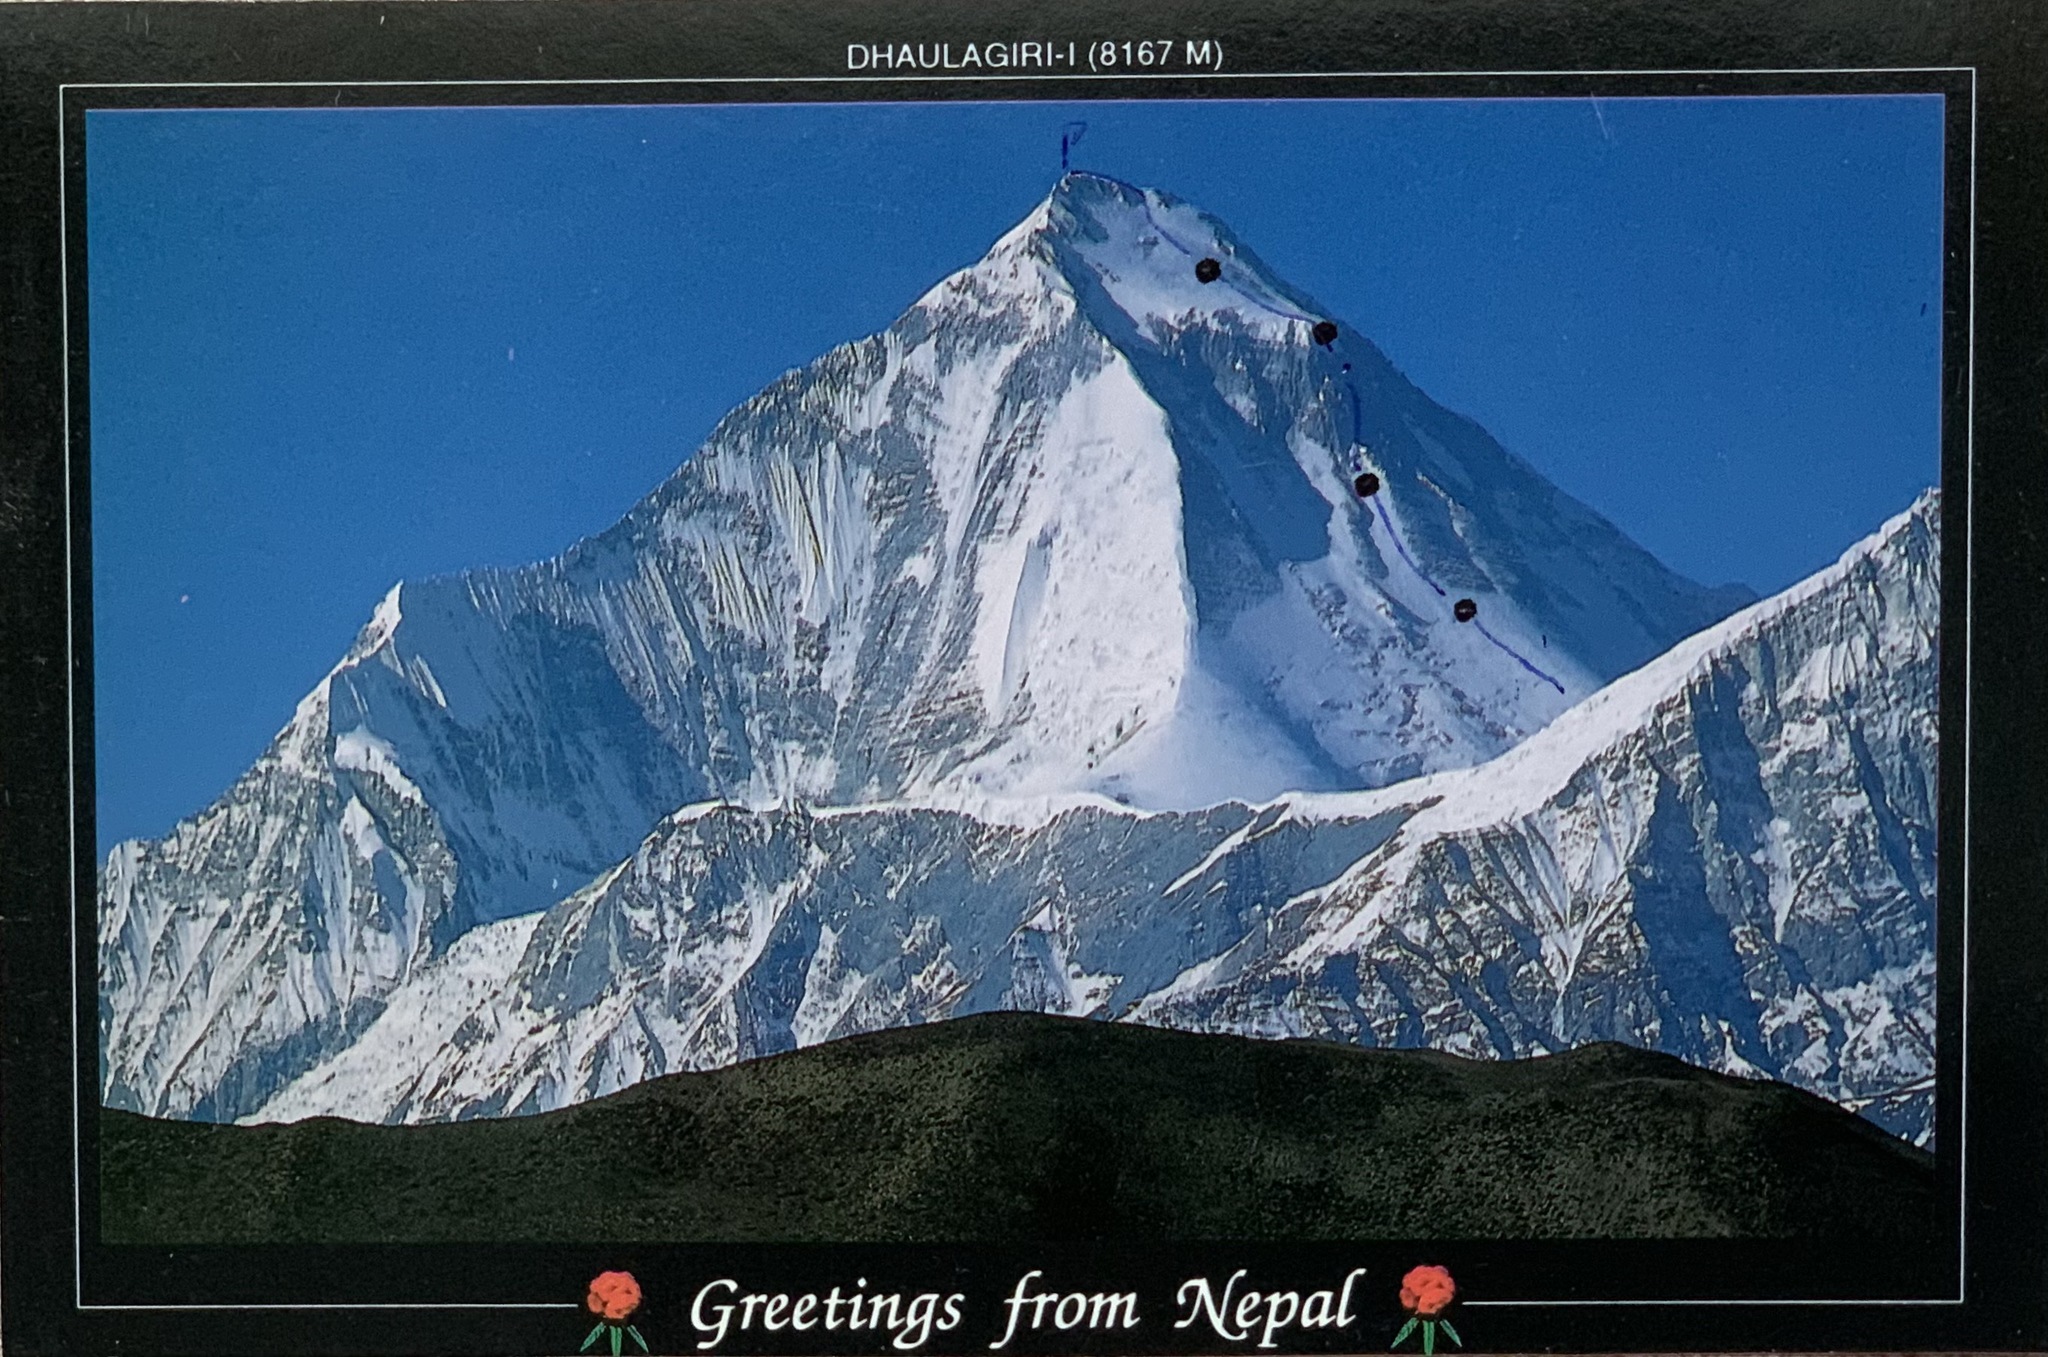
[(1000, 685)]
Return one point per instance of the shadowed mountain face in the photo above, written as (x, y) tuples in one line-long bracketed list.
[(1018, 1127)]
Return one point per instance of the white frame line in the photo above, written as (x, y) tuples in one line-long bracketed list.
[(1969, 585), (1969, 668), (1048, 75), (364, 1305)]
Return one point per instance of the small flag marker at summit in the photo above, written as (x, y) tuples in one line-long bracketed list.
[(1070, 137)]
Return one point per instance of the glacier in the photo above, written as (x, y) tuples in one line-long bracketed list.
[(1064, 564)]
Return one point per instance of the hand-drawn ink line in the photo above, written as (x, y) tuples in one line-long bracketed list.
[(1357, 440), (1510, 652), (1145, 204), (1379, 505), (1401, 547)]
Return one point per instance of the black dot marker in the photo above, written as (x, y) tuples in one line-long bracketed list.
[(1465, 610), (1347, 367), (1208, 271), (1325, 333), (1366, 484)]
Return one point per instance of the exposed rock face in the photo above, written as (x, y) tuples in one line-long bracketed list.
[(1727, 856), (980, 651)]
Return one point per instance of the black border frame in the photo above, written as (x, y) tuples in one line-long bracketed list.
[(43, 48), (300, 1275)]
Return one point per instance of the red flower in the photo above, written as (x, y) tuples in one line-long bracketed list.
[(1427, 1290), (613, 1296)]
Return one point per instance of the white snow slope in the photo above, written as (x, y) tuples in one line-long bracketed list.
[(1077, 525), (1727, 855)]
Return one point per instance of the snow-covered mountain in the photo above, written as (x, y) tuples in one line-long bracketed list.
[(1077, 523), (1727, 855)]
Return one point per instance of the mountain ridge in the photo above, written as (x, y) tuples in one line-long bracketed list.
[(1016, 1126), (1608, 879), (1052, 533)]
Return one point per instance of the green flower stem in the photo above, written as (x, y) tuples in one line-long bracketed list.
[(1429, 1328)]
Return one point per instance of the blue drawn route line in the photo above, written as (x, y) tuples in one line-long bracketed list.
[(1511, 653), (1379, 506), (1357, 439), (1145, 203), (1401, 547)]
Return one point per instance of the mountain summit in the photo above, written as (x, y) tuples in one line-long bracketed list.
[(1080, 521), (1086, 520)]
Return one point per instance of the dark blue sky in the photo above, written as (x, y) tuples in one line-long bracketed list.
[(335, 348)]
